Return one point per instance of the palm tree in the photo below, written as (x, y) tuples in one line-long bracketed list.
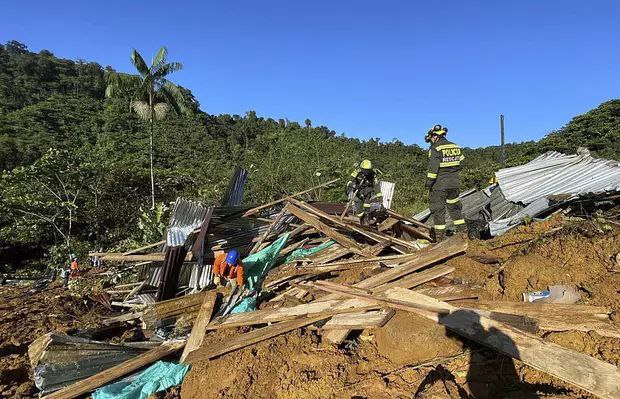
[(152, 94)]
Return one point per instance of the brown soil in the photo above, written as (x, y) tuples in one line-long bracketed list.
[(411, 355), (23, 318)]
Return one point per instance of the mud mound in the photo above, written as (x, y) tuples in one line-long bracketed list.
[(23, 318), (414, 357)]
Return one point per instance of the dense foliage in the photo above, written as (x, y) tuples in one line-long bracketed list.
[(75, 164)]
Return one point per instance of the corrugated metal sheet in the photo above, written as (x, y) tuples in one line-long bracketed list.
[(554, 173), (234, 193), (186, 217)]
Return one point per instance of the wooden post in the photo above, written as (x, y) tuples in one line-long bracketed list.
[(503, 150)]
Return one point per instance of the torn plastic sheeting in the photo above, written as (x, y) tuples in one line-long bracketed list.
[(247, 305), (303, 253), (158, 377), (256, 266)]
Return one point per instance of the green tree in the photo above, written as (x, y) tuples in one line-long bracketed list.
[(45, 198), (152, 94)]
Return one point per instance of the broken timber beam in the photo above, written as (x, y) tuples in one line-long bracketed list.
[(119, 257), (91, 383), (272, 226), (360, 320), (442, 251), (200, 323), (325, 229), (253, 211), (373, 235), (406, 219), (592, 375), (552, 316), (242, 340)]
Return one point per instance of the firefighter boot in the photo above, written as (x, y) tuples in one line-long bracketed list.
[(440, 235)]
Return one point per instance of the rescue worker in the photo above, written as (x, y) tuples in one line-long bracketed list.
[(228, 266), (443, 181), (75, 267), (364, 191)]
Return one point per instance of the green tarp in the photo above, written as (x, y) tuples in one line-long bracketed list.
[(256, 266), (303, 253), (158, 377)]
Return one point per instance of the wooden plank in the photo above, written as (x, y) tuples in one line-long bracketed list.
[(440, 252), (390, 260), (592, 375), (406, 219), (273, 224), (414, 232), (328, 308), (332, 253), (91, 383), (135, 251), (552, 317), (293, 247), (325, 229), (373, 235), (119, 257), (387, 224), (360, 320), (242, 340), (135, 290), (418, 278), (377, 248), (254, 211), (200, 323), (437, 253)]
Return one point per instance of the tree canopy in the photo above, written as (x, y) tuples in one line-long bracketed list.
[(56, 121)]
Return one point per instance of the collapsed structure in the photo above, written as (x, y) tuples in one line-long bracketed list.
[(292, 249), (536, 189)]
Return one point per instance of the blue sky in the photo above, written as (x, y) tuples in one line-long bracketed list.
[(387, 69)]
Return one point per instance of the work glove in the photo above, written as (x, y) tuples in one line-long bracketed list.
[(233, 284), (217, 280)]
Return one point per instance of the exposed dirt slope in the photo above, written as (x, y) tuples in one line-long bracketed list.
[(411, 355)]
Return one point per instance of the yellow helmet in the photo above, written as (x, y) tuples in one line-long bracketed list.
[(366, 164), (436, 130)]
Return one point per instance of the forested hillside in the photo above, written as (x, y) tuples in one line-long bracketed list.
[(75, 164)]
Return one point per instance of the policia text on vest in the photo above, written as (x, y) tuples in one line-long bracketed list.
[(443, 181)]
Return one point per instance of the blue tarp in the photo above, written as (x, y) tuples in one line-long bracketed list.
[(158, 377)]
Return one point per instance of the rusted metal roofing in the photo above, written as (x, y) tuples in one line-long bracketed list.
[(554, 173)]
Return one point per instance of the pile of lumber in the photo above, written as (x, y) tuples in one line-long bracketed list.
[(394, 262)]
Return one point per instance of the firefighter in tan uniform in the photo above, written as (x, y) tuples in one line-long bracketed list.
[(443, 181)]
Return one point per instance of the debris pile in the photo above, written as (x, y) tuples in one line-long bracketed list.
[(550, 182), (332, 307)]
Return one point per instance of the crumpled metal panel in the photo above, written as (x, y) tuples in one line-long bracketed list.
[(186, 217), (554, 173), (498, 227), (234, 193)]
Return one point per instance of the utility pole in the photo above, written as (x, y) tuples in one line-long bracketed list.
[(503, 150)]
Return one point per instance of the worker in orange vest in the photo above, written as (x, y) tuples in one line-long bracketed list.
[(75, 267), (229, 267)]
